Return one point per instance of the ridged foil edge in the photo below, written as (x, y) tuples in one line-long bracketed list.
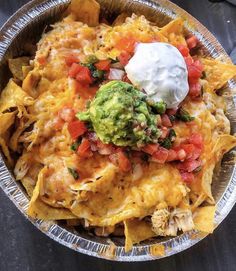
[(12, 28)]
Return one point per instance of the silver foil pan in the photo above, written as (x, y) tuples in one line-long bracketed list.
[(24, 28)]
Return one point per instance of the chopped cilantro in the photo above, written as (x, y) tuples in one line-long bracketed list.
[(166, 143), (98, 74), (184, 115), (172, 135), (74, 173)]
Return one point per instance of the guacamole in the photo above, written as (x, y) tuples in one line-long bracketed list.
[(120, 114)]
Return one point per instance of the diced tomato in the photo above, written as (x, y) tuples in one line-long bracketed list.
[(70, 59), (74, 70), (126, 44), (171, 112), (84, 149), (150, 148), (192, 42), (76, 128), (86, 92), (189, 166), (160, 156), (164, 132), (188, 60), (194, 73), (172, 156), (189, 149), (84, 76), (195, 90), (42, 60), (187, 177), (67, 114), (165, 120), (103, 65), (195, 69), (197, 140), (183, 50), (196, 153), (198, 64), (124, 58), (123, 162)]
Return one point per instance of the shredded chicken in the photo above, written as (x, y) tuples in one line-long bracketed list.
[(166, 223), (160, 220)]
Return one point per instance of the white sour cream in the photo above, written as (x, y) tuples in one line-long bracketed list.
[(159, 69)]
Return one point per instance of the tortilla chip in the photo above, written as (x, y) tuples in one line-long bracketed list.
[(174, 32), (6, 120), (28, 185), (26, 70), (136, 231), (203, 219), (14, 141), (6, 152), (120, 19), (217, 73), (86, 11), (15, 66), (223, 144), (40, 210), (14, 96), (157, 250), (30, 83), (197, 200)]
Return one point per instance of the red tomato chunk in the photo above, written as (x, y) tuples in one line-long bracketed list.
[(150, 148), (160, 156), (76, 129), (192, 42), (103, 65), (123, 162)]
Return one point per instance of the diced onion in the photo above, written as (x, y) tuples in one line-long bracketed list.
[(116, 74)]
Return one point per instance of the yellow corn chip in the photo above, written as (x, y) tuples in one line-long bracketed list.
[(16, 64), (217, 73), (6, 152), (223, 144), (14, 140), (6, 120), (136, 231), (26, 70), (173, 31), (157, 250), (203, 219), (29, 185), (30, 83), (86, 11), (14, 96), (120, 19), (40, 210)]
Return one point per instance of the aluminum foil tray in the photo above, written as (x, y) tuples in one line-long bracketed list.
[(25, 27)]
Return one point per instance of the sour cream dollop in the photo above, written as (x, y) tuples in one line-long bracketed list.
[(159, 69)]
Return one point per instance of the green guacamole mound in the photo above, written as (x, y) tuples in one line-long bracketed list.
[(119, 114)]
